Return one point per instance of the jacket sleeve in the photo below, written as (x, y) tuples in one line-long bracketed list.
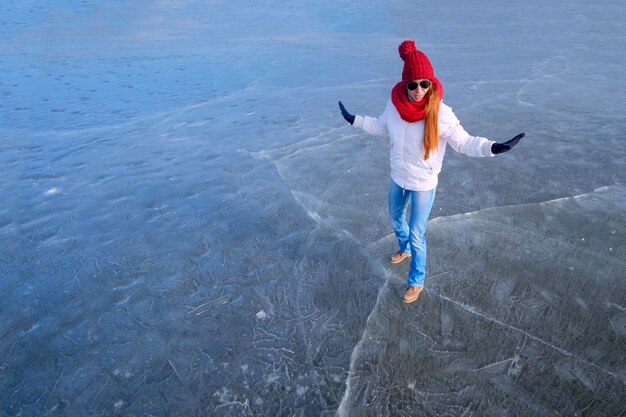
[(372, 125), (452, 132)]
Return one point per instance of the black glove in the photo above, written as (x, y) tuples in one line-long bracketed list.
[(497, 148), (349, 118)]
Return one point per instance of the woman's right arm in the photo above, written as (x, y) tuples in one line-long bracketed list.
[(373, 126)]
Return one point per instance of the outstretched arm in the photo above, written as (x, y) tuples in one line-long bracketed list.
[(464, 143), (373, 126)]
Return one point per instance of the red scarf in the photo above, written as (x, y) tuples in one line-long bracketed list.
[(412, 111)]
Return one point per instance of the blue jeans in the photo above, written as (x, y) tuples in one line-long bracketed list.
[(411, 236)]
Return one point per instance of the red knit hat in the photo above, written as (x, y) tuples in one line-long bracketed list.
[(416, 64)]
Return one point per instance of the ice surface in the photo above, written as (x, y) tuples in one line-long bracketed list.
[(189, 227), (532, 324)]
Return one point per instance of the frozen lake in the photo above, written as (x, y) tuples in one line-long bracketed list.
[(190, 228)]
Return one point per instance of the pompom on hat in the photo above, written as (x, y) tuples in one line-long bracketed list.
[(417, 66)]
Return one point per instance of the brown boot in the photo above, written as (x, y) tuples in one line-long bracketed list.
[(412, 293), (399, 257)]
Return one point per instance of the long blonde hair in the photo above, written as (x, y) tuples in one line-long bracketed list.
[(431, 122)]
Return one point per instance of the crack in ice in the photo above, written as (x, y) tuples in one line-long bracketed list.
[(479, 313)]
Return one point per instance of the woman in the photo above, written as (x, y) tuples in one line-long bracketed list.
[(419, 126)]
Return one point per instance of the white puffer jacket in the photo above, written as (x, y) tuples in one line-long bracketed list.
[(408, 168)]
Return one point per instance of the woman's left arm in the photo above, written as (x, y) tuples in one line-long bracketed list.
[(451, 131), (464, 143)]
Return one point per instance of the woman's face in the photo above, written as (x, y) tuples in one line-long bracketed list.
[(420, 92)]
